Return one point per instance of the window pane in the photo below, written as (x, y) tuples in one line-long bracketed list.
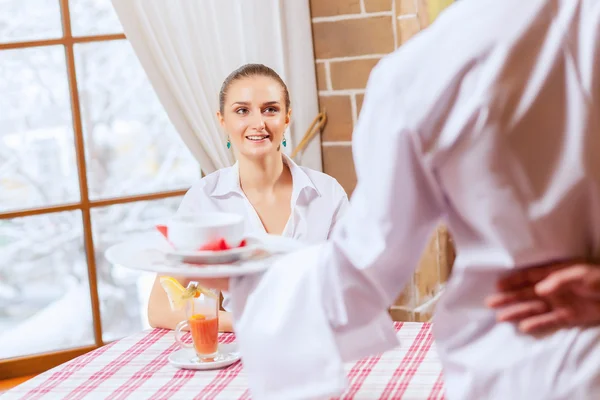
[(124, 292), (131, 146), (37, 151), (29, 20), (44, 291), (93, 17)]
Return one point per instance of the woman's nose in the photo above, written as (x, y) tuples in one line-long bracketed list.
[(258, 123)]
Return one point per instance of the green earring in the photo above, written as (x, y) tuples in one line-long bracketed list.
[(228, 144), (284, 143)]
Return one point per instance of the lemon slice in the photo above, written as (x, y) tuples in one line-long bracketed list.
[(176, 293)]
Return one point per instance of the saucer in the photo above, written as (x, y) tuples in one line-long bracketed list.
[(187, 359), (216, 257)]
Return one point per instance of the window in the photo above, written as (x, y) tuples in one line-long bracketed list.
[(88, 157)]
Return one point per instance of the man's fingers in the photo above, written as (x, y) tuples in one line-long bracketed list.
[(520, 279), (531, 275), (523, 310), (526, 277), (544, 323), (560, 279), (502, 299)]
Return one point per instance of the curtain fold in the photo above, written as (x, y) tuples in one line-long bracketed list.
[(187, 48)]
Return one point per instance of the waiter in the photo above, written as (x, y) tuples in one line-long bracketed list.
[(490, 121)]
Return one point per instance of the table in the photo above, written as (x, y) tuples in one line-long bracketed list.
[(136, 367)]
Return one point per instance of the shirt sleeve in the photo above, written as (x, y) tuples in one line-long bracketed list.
[(315, 309), (340, 209)]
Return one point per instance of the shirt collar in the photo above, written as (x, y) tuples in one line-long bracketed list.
[(229, 180), (300, 180)]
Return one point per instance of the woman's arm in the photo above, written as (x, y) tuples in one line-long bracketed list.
[(160, 314), (225, 321)]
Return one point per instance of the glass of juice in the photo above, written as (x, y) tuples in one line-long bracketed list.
[(202, 320)]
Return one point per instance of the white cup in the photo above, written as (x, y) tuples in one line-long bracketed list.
[(189, 232)]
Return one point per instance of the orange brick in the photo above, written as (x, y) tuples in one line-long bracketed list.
[(328, 8), (339, 118), (351, 74), (378, 5), (423, 13), (404, 7), (321, 76), (353, 37), (338, 162), (407, 28), (359, 102)]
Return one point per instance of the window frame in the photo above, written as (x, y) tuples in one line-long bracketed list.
[(36, 363)]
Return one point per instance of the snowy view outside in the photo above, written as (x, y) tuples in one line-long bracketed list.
[(130, 148)]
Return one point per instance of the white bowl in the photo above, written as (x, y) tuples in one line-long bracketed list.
[(189, 232)]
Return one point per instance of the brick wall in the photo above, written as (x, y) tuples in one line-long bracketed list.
[(350, 36)]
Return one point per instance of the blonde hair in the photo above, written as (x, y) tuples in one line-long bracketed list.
[(248, 71)]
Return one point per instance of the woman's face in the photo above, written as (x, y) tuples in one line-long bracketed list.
[(254, 116)]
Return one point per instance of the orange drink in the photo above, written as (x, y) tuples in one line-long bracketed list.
[(202, 320), (205, 334)]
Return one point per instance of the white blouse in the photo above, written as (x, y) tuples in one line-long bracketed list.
[(318, 201)]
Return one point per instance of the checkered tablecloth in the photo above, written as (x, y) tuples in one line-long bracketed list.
[(137, 368)]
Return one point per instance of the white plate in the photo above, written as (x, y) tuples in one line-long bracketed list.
[(215, 257), (187, 358), (148, 252)]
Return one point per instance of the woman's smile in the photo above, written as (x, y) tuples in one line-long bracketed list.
[(257, 138)]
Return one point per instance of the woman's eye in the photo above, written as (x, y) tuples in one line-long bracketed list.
[(241, 111), (271, 110)]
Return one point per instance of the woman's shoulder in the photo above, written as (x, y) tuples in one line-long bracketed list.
[(207, 186), (209, 193), (325, 184)]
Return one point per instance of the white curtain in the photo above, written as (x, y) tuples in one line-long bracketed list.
[(187, 48)]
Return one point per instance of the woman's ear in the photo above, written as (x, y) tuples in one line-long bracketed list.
[(221, 119), (288, 117)]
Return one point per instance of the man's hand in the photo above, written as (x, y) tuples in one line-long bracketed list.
[(547, 298)]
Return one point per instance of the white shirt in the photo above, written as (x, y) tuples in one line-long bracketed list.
[(318, 202), (489, 120)]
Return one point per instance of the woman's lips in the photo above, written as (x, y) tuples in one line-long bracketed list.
[(257, 138)]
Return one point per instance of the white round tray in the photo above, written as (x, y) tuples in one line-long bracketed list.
[(151, 252)]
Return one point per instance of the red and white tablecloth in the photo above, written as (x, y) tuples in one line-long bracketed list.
[(136, 367)]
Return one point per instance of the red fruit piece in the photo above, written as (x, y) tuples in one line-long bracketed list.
[(223, 245), (215, 245), (242, 243), (163, 230)]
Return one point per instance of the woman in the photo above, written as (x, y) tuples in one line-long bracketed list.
[(274, 194)]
